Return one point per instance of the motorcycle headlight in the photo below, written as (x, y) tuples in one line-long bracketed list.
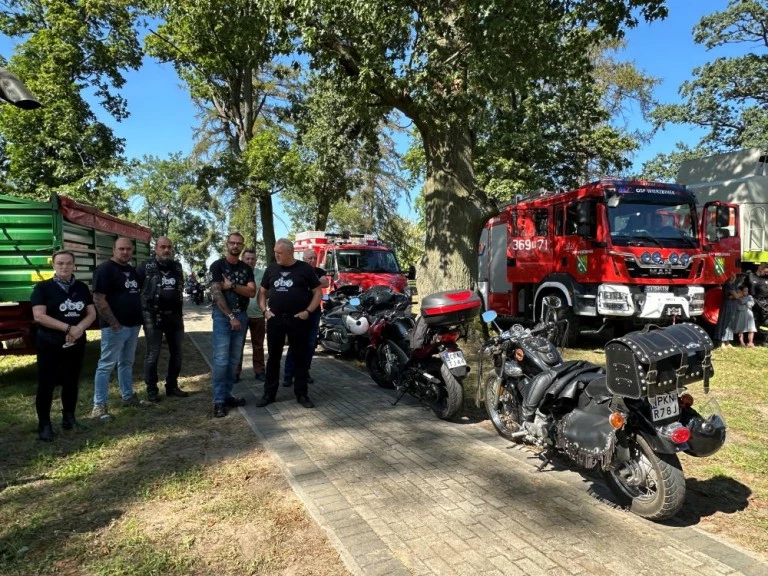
[(512, 369)]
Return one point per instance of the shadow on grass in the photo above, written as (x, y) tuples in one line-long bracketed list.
[(51, 492)]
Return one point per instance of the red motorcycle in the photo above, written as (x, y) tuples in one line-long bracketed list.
[(421, 356)]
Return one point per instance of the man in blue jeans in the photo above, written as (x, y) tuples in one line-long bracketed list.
[(232, 286), (118, 301), (310, 258)]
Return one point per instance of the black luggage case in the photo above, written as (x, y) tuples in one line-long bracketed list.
[(650, 362)]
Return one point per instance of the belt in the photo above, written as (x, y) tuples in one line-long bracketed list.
[(283, 314)]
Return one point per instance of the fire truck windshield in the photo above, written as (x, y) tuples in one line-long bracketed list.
[(669, 225), (362, 260)]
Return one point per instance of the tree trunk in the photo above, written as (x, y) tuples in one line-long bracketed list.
[(267, 227), (455, 213)]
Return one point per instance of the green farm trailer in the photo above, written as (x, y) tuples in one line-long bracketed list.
[(30, 231)]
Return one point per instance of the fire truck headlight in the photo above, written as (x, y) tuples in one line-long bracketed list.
[(685, 259), (656, 257), (645, 258), (674, 258)]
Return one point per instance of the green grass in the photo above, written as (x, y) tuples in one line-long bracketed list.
[(164, 489)]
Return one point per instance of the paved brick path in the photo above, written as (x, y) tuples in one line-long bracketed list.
[(401, 492)]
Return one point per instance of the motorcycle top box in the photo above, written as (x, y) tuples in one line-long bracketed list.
[(450, 307), (651, 362)]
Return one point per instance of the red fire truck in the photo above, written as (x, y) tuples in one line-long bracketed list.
[(353, 259), (613, 250)]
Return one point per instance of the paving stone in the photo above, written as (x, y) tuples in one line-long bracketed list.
[(403, 492)]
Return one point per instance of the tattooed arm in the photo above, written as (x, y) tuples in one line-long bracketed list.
[(217, 294), (100, 301)]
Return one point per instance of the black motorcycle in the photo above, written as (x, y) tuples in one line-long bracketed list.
[(421, 357), (629, 419), (347, 313)]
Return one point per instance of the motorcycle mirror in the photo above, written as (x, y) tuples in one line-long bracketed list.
[(489, 316), (355, 301)]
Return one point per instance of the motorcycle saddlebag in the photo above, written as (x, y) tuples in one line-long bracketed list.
[(647, 363), (450, 307)]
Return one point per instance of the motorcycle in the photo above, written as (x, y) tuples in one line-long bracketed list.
[(346, 317), (421, 357), (629, 419)]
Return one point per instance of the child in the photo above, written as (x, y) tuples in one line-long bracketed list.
[(744, 321)]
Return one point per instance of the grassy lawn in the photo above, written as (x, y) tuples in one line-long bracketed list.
[(164, 489)]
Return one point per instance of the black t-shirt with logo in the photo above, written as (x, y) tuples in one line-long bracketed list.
[(758, 286), (168, 282), (68, 307), (239, 274), (290, 287), (120, 286)]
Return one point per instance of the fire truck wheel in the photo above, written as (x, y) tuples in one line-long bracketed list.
[(568, 328)]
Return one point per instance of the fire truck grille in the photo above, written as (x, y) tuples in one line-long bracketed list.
[(637, 271)]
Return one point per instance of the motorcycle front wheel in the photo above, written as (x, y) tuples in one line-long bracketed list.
[(651, 485), (376, 370), (452, 398), (503, 407)]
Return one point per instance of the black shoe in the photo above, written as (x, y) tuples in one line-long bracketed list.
[(153, 396), (263, 401), (46, 433), (233, 402), (175, 391), (219, 410), (68, 421), (288, 382), (305, 401)]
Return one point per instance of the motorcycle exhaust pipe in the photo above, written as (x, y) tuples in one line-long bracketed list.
[(517, 435)]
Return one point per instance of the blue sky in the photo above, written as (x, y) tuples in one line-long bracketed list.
[(162, 116)]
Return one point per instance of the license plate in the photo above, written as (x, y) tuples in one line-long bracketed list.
[(657, 288), (454, 359), (664, 406), (674, 311)]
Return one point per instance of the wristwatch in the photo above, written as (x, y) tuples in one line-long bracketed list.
[(231, 316)]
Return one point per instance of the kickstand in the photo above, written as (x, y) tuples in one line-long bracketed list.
[(399, 396), (545, 460)]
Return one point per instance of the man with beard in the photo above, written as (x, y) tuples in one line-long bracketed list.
[(232, 285), (758, 289), (161, 281), (118, 302)]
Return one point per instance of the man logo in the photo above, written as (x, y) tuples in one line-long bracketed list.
[(282, 283), (167, 281), (129, 284)]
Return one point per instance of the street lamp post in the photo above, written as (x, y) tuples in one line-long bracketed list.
[(13, 91)]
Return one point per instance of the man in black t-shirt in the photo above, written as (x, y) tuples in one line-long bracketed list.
[(161, 281), (294, 294), (118, 302), (232, 286), (310, 257)]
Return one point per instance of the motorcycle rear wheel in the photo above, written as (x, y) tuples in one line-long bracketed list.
[(376, 370), (452, 398), (502, 407), (651, 485)]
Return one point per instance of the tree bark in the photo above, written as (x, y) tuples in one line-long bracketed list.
[(455, 213), (267, 227)]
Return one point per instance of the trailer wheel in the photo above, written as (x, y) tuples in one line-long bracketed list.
[(568, 323)]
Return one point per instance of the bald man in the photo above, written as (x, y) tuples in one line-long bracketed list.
[(162, 292)]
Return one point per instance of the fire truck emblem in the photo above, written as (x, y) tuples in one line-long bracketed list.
[(581, 263), (719, 265)]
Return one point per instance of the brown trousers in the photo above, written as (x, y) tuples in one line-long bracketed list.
[(257, 327)]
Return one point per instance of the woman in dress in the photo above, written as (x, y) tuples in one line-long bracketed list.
[(745, 319), (725, 318), (63, 309)]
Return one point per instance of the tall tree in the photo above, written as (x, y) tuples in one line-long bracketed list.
[(173, 203), (224, 50), (450, 66), (69, 48), (727, 96)]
